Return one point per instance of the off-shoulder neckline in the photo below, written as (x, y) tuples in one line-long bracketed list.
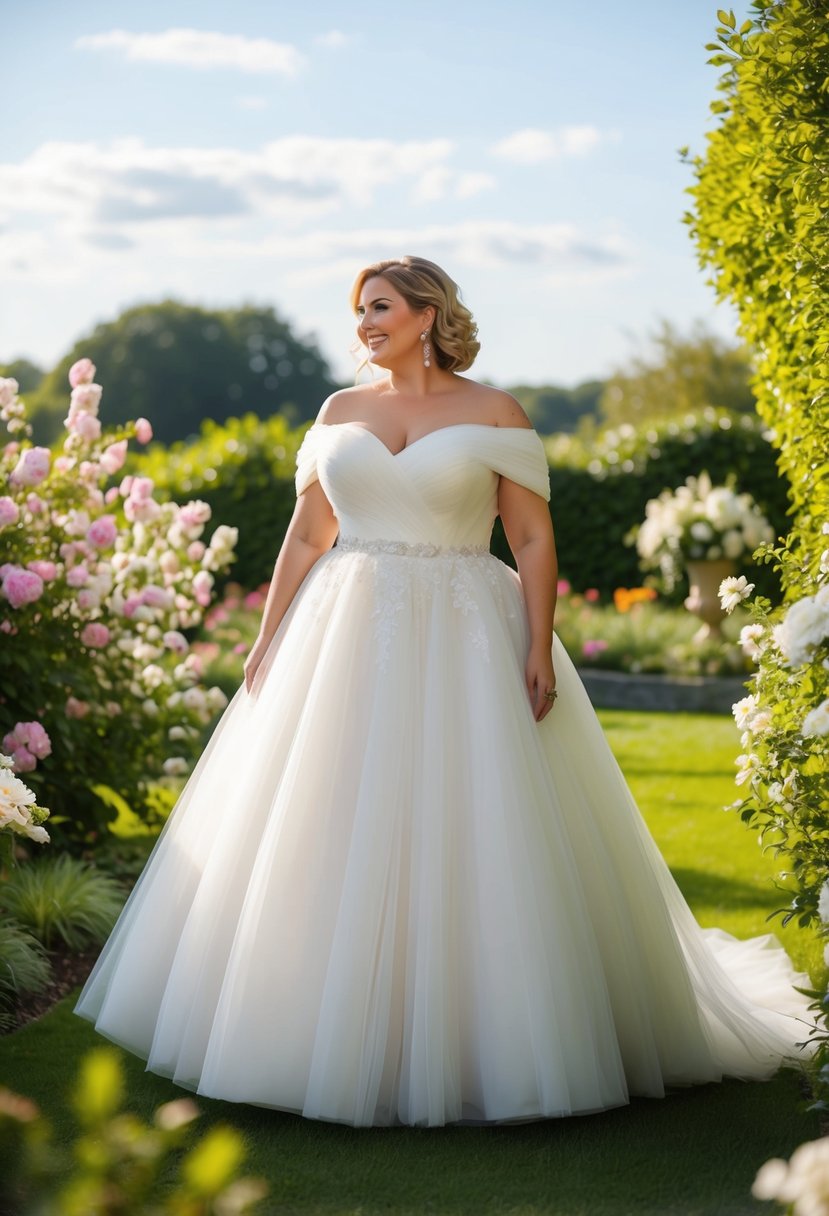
[(452, 426)]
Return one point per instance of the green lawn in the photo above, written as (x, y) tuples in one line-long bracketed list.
[(695, 1152)]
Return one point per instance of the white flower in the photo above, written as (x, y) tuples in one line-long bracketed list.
[(816, 721), (733, 591), (804, 627), (744, 712), (702, 531), (748, 765), (6, 761), (13, 793), (775, 792), (216, 699), (824, 562), (153, 676), (770, 1180), (750, 640), (176, 766), (733, 544)]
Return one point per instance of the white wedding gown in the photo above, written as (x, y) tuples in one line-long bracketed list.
[(387, 895)]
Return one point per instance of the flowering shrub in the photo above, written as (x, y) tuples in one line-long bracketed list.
[(99, 585), (700, 522), (784, 722), (801, 1183)]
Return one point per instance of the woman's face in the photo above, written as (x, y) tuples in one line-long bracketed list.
[(386, 324)]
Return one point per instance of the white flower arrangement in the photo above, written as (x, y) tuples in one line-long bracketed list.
[(698, 521)]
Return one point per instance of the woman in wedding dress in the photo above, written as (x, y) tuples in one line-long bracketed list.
[(406, 882)]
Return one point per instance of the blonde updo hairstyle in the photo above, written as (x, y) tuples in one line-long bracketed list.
[(453, 334)]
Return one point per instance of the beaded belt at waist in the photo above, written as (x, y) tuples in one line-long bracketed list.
[(401, 548)]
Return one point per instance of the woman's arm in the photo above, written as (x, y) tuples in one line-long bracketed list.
[(311, 532), (529, 531)]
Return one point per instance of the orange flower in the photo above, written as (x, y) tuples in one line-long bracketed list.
[(624, 598)]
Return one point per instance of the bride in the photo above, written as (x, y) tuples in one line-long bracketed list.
[(406, 882)]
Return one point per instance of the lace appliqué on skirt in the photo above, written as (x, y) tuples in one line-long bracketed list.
[(400, 575)]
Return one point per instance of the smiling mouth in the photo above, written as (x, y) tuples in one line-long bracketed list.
[(374, 343)]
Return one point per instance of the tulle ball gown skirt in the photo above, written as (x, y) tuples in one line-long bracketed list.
[(388, 896)]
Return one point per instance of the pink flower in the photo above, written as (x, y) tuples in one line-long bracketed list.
[(81, 372), (76, 708), (111, 495), (254, 599), (563, 587), (22, 586), (8, 390), (89, 470), (23, 759), (130, 604), (88, 599), (194, 514), (77, 576), (593, 647), (113, 457), (7, 627), (95, 635), (240, 648), (86, 426), (47, 570), (32, 467), (85, 399), (141, 510), (156, 597), (35, 504), (63, 464), (592, 595), (202, 587), (141, 487), (195, 551), (126, 485), (143, 430), (176, 641), (102, 532), (9, 511), (31, 736)]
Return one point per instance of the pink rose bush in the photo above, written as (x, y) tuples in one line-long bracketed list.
[(99, 585)]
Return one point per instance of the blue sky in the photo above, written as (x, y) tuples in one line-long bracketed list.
[(261, 152)]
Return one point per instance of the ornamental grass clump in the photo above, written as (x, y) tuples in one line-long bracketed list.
[(100, 585), (62, 900), (24, 968)]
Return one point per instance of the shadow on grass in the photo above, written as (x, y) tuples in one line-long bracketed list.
[(707, 889), (693, 1153)]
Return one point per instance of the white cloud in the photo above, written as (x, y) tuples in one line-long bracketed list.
[(531, 146), (469, 184), (125, 182), (203, 49), (557, 250), (335, 40)]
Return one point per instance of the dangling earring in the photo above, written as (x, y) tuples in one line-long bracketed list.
[(427, 349)]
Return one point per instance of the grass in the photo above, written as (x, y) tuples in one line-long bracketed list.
[(692, 1154)]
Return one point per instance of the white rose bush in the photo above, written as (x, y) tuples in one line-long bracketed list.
[(783, 767), (698, 521), (100, 584)]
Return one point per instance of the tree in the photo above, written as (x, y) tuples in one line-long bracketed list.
[(27, 374), (553, 409), (683, 374), (178, 364)]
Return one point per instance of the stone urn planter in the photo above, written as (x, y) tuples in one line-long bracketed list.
[(705, 578)]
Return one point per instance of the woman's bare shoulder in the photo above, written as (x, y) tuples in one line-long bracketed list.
[(498, 407), (342, 404)]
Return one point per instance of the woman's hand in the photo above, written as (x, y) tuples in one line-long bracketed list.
[(541, 678), (255, 657)]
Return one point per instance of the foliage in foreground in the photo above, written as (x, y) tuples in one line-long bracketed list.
[(117, 1162)]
